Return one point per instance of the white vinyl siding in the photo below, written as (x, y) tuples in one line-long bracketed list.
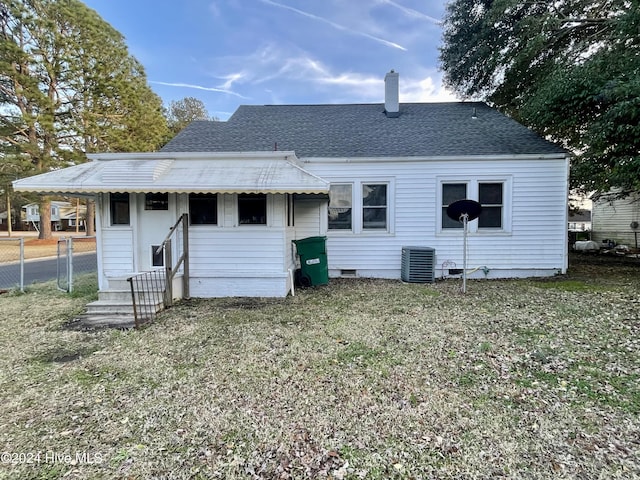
[(531, 241), (611, 220), (117, 251)]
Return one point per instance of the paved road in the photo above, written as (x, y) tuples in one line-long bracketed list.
[(44, 270)]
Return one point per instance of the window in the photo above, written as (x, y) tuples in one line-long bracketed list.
[(290, 210), (340, 207), (494, 196), (374, 206), (252, 209), (452, 192), (119, 206), (157, 257), (490, 197), (203, 208), (156, 201)]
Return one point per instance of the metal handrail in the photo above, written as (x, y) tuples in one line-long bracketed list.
[(170, 269)]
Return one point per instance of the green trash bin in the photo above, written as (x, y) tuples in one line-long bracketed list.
[(314, 269)]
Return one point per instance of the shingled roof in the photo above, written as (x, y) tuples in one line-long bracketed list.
[(363, 130)]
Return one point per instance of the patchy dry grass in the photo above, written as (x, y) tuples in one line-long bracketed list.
[(363, 379)]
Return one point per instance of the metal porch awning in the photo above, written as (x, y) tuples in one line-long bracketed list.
[(235, 172)]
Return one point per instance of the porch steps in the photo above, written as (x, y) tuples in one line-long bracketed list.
[(89, 321), (113, 309)]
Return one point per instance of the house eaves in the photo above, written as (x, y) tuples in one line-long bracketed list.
[(249, 172)]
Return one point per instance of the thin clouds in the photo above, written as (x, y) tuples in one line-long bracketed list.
[(274, 67), (199, 87), (424, 90), (411, 12), (337, 26)]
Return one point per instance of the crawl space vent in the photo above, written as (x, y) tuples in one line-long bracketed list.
[(418, 264)]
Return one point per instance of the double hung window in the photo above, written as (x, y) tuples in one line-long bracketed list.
[(490, 194), (359, 207)]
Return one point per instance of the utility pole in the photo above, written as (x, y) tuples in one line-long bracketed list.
[(8, 211)]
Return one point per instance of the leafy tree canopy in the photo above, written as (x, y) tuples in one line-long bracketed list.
[(569, 69), (69, 86), (181, 113)]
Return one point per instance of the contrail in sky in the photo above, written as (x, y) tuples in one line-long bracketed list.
[(198, 87), (335, 25)]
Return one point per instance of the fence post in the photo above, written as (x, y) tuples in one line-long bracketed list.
[(168, 262), (22, 264), (133, 301), (70, 264), (185, 250)]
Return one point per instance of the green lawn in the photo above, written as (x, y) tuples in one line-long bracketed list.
[(360, 379)]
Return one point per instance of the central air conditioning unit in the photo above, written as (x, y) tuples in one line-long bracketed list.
[(418, 264)]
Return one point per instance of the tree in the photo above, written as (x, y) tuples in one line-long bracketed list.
[(68, 86), (182, 112), (10, 168), (569, 69)]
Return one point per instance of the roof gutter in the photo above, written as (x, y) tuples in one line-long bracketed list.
[(439, 158)]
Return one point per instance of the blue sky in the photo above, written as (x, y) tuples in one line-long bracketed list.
[(233, 52)]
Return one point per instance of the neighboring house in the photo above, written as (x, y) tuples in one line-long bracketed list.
[(616, 220), (579, 220), (373, 178), (32, 215), (63, 215)]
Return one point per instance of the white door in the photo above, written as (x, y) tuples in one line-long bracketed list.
[(156, 215)]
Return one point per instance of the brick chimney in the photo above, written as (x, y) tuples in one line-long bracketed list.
[(391, 95)]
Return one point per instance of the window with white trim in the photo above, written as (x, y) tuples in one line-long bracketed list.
[(452, 192), (119, 208), (492, 194), (340, 206), (252, 209), (156, 201), (203, 208), (361, 206), (374, 206)]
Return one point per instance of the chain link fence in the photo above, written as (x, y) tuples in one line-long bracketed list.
[(75, 255), (22, 263), (12, 263)]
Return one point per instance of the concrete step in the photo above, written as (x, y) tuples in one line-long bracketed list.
[(118, 307), (121, 283), (115, 295), (110, 307), (104, 321)]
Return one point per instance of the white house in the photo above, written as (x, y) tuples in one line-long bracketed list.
[(63, 215), (32, 214), (372, 178), (616, 219)]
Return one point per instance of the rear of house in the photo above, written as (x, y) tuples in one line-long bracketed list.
[(372, 178), (378, 207)]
